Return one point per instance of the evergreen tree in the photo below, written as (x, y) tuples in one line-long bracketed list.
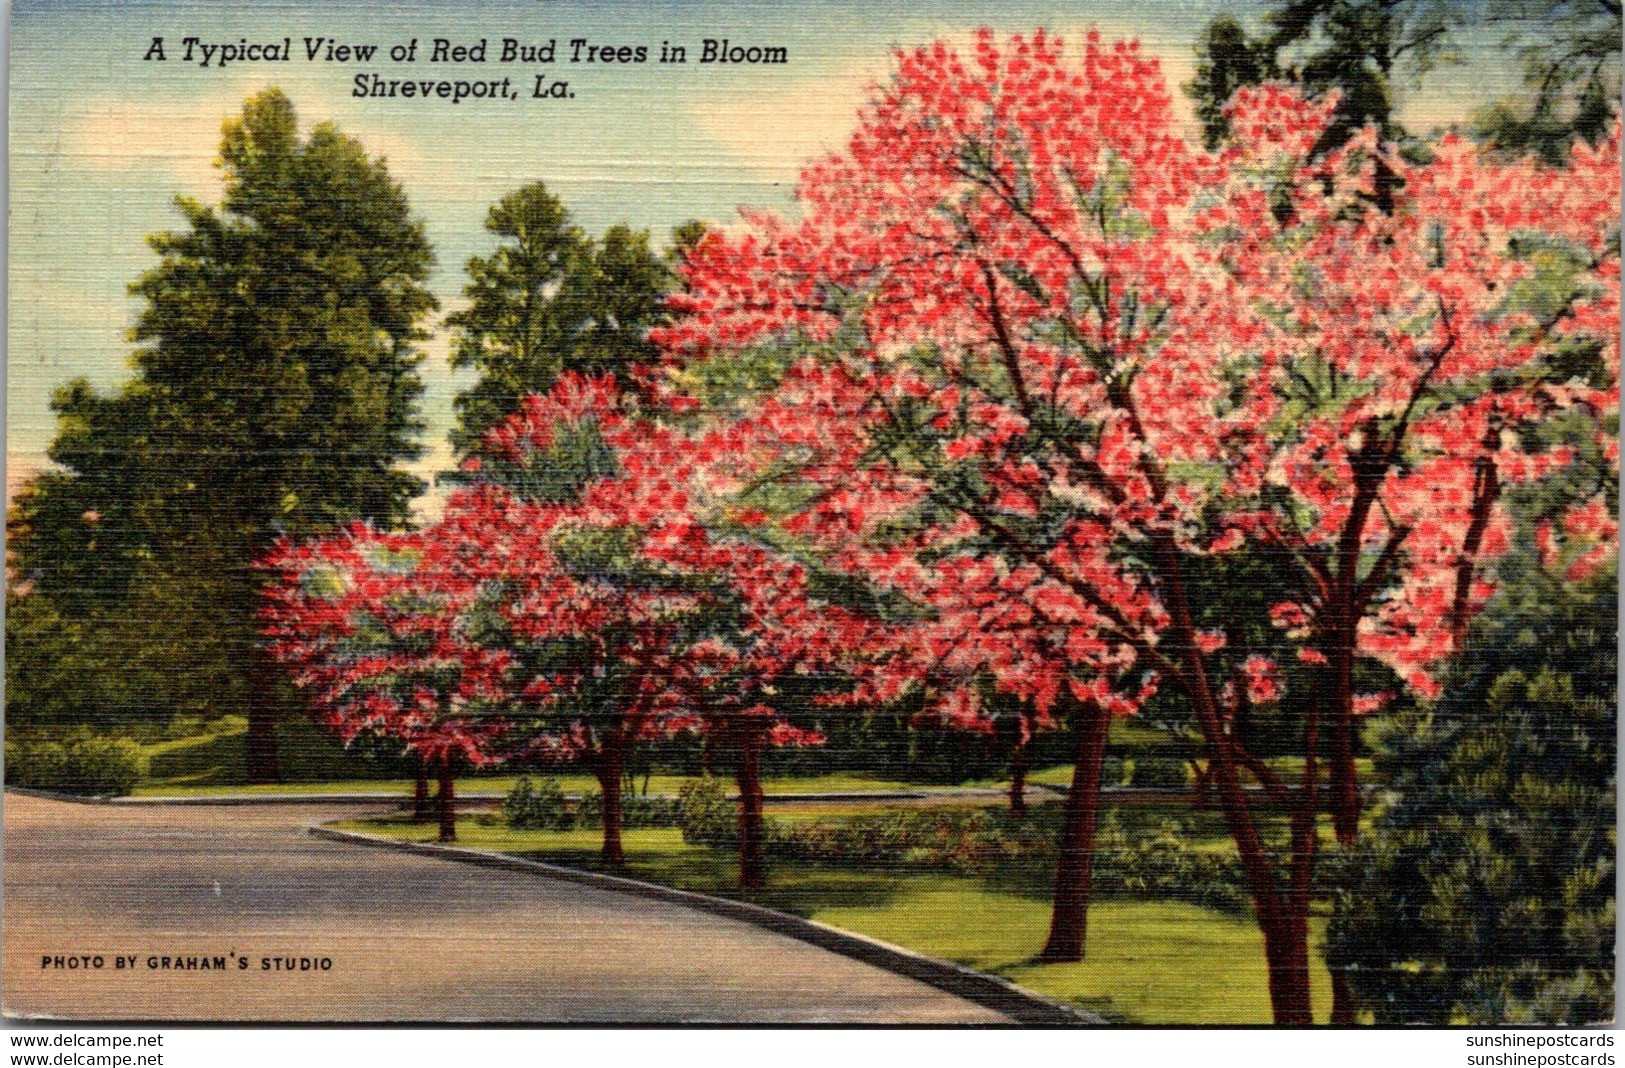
[(548, 300), (276, 392), (1484, 892), (109, 620), (1367, 50)]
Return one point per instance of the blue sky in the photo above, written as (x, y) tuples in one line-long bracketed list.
[(102, 141)]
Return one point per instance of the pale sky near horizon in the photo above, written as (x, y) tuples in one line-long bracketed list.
[(103, 140)]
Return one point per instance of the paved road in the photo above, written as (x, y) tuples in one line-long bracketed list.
[(409, 938)]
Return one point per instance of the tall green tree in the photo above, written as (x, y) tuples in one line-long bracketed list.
[(109, 621), (1367, 50), (1226, 60), (1570, 50), (550, 299), (79, 532), (276, 393)]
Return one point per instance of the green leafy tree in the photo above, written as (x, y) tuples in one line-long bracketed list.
[(1367, 50), (109, 620), (1227, 59), (1484, 892), (79, 532), (512, 330), (549, 299), (1359, 48), (276, 392), (1571, 76)]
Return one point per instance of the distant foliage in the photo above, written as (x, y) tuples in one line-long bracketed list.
[(1155, 772)]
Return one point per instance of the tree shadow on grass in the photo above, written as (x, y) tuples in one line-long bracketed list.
[(799, 889)]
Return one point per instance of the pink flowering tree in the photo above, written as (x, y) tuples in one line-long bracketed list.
[(635, 595), (373, 627), (1409, 360), (1044, 364)]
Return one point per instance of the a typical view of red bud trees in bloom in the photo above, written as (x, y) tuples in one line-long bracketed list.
[(1032, 402)]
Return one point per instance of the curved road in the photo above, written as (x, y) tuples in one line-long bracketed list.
[(409, 937)]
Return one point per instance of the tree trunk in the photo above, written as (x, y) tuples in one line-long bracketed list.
[(448, 801), (1069, 918), (1241, 717), (1286, 952), (1345, 785), (1286, 935), (259, 757), (752, 864), (1286, 941), (1020, 759), (1343, 1003), (1345, 788), (611, 761), (1486, 490), (420, 792)]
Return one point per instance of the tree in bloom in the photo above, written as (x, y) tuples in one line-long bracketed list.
[(925, 482), (373, 626), (1055, 369), (554, 543), (1419, 362), (1412, 358), (634, 596)]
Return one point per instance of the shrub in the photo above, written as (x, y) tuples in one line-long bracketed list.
[(183, 727), (1154, 861), (1484, 891), (706, 814), (958, 840), (1162, 864), (541, 807), (636, 812), (1168, 773), (86, 764)]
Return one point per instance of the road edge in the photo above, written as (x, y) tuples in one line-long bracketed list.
[(990, 991)]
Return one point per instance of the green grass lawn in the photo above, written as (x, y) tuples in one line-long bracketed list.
[(312, 762), (1154, 962), (308, 756), (211, 765)]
